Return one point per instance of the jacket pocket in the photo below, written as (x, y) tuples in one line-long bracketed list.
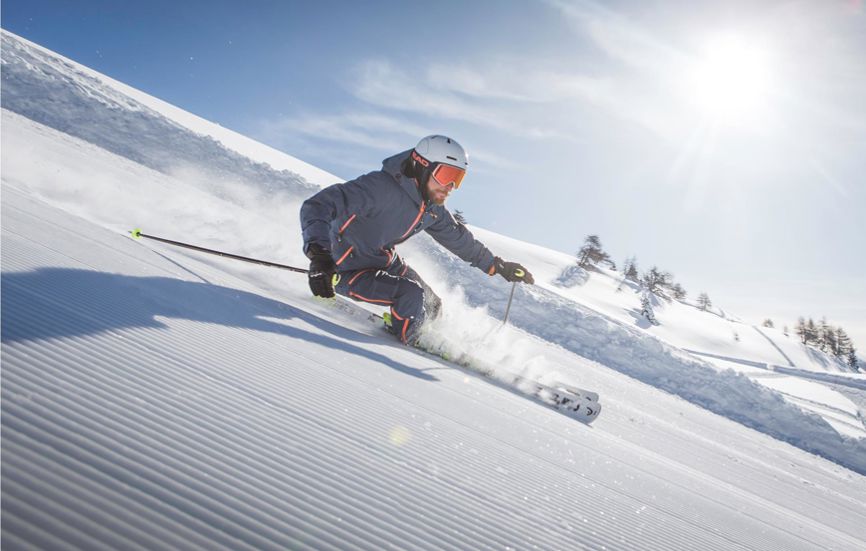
[(346, 224), (346, 255)]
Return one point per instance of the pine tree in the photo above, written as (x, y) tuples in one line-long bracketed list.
[(678, 291), (592, 253), (824, 336), (785, 331), (768, 323), (629, 269), (591, 249), (801, 330), (655, 280), (842, 343), (811, 336), (852, 359), (704, 302), (647, 308)]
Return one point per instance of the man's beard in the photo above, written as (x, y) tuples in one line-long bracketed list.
[(438, 198), (431, 196)]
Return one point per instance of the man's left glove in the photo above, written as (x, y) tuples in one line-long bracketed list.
[(322, 270), (512, 271)]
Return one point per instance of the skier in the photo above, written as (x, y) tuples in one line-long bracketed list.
[(351, 229)]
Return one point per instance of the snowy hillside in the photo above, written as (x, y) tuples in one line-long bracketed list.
[(156, 397)]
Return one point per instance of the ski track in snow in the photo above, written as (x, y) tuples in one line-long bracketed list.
[(152, 398)]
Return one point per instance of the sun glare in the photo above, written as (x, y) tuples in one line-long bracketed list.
[(730, 81)]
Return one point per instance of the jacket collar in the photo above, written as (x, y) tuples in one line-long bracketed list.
[(392, 166)]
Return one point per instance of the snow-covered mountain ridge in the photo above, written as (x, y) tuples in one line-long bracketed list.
[(219, 332)]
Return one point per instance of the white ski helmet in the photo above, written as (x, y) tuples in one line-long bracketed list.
[(440, 158), (442, 149)]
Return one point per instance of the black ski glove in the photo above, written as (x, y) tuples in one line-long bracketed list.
[(512, 271), (322, 270)]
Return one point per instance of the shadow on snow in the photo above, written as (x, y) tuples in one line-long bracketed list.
[(52, 303)]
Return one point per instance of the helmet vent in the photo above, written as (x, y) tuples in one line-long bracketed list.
[(450, 157)]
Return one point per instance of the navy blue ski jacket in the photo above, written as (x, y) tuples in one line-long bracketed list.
[(362, 220)]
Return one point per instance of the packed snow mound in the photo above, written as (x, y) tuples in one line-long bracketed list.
[(128, 165), (65, 96)]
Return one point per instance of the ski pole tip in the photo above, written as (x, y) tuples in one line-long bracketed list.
[(136, 233)]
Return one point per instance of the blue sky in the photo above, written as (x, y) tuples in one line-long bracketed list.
[(722, 141)]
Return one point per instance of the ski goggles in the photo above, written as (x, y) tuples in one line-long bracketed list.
[(445, 175)]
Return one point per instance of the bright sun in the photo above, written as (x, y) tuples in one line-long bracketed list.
[(730, 81)]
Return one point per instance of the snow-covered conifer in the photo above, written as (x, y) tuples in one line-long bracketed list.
[(629, 269), (591, 254), (647, 308), (655, 280)]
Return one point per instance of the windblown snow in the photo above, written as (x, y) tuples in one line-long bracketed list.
[(155, 397)]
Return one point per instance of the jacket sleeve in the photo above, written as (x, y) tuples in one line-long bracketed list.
[(337, 202), (459, 240)]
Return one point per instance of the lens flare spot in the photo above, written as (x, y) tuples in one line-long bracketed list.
[(399, 435)]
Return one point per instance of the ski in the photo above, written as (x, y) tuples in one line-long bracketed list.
[(582, 392), (580, 404), (575, 405)]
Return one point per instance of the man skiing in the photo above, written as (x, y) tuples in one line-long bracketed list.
[(351, 229)]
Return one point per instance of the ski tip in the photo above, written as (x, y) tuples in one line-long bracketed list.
[(591, 414), (136, 233)]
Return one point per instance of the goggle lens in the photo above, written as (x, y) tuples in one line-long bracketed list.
[(445, 175)]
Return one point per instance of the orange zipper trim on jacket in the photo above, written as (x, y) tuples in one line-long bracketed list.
[(359, 274), (365, 299), (346, 224), (415, 222), (405, 324), (345, 254)]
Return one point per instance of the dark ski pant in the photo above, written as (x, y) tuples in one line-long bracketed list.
[(410, 299)]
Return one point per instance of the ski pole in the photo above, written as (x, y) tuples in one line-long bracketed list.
[(137, 234), (519, 273), (510, 298)]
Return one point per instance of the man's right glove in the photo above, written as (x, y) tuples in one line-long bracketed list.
[(512, 271), (322, 270)]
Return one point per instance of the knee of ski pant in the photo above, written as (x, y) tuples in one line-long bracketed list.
[(409, 300), (432, 302)]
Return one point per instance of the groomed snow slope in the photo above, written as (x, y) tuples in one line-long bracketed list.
[(153, 400), (154, 396)]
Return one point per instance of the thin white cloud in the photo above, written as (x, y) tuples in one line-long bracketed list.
[(379, 83), (369, 130), (375, 131), (534, 97)]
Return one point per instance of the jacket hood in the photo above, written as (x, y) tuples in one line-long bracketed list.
[(393, 164), (393, 167)]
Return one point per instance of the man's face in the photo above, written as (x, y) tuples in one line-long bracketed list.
[(438, 193)]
